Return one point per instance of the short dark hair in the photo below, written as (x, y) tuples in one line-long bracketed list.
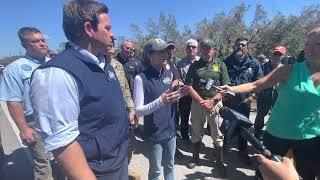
[(241, 39), (77, 12), (24, 32)]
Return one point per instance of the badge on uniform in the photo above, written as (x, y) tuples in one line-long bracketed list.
[(26, 67), (215, 68)]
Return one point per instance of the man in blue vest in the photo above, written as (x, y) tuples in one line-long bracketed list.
[(78, 102)]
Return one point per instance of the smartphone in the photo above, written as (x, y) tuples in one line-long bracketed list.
[(227, 91)]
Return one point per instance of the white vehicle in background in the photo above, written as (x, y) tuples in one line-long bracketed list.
[(1, 67)]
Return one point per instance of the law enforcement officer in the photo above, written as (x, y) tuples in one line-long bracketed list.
[(242, 68), (131, 65), (78, 101), (185, 102), (14, 89), (202, 76)]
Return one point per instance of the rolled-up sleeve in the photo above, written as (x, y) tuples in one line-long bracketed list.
[(55, 101)]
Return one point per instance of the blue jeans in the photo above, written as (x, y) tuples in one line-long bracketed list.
[(161, 152)]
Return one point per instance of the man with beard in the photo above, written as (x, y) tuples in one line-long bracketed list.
[(242, 68)]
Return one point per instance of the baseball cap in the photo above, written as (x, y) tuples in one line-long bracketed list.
[(280, 49), (171, 44), (156, 44), (207, 42), (192, 42)]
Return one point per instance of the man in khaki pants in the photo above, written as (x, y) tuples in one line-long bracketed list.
[(202, 76)]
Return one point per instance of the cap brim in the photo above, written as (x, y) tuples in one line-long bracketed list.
[(165, 46), (278, 52)]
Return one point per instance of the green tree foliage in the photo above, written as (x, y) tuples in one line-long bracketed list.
[(224, 27)]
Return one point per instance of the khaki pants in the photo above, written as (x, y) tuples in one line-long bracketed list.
[(41, 159), (199, 117)]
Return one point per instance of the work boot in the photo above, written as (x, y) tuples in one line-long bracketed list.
[(195, 155), (220, 166)]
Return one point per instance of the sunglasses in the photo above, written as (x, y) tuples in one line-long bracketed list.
[(241, 45), (192, 47)]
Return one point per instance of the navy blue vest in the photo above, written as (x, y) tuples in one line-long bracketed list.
[(160, 124), (103, 120)]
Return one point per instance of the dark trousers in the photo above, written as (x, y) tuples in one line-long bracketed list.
[(264, 104), (184, 110), (306, 153), (259, 123), (245, 110), (120, 174)]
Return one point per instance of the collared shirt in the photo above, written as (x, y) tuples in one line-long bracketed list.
[(55, 100), (203, 75), (15, 82), (183, 66), (245, 71)]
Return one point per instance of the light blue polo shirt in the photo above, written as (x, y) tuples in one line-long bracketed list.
[(15, 82)]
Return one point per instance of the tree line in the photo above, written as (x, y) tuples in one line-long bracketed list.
[(224, 27)]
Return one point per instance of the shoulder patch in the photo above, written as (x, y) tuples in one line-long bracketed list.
[(215, 68), (26, 67)]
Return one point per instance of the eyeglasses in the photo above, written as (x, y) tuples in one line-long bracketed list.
[(277, 53), (192, 47), (129, 49), (241, 45)]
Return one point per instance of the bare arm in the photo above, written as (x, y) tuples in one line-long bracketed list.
[(73, 162), (279, 74), (194, 95), (16, 111)]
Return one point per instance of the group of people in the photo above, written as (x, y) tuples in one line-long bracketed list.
[(80, 106)]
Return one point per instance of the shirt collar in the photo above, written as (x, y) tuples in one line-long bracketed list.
[(89, 57), (35, 60)]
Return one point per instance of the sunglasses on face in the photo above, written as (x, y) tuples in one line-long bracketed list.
[(129, 49), (277, 53), (192, 47), (241, 45)]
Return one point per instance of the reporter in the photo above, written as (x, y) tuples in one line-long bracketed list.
[(290, 125)]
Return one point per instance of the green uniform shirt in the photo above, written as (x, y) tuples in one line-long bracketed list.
[(296, 114), (201, 73)]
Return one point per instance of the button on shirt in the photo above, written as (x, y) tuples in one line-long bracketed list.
[(55, 99), (15, 82)]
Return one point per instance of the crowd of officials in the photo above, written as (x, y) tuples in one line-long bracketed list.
[(80, 106)]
